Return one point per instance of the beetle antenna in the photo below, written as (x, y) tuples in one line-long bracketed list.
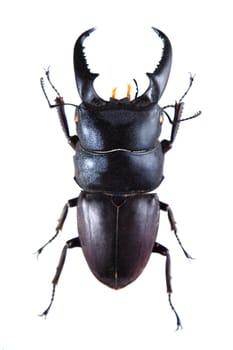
[(47, 72), (191, 79), (167, 115), (178, 104), (44, 92), (180, 120), (192, 116), (58, 94)]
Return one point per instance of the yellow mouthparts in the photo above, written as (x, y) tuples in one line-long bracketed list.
[(127, 92)]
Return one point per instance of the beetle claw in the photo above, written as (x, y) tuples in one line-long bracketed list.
[(45, 313)]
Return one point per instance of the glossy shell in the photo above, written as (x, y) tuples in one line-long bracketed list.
[(117, 234), (119, 171), (118, 149)]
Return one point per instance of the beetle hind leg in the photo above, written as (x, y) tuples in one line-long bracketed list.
[(72, 243), (159, 248)]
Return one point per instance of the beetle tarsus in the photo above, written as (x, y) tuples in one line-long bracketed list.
[(178, 321), (39, 251), (45, 313), (159, 248)]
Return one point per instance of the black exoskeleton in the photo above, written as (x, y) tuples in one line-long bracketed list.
[(118, 160)]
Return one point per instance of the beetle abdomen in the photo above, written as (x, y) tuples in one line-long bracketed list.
[(117, 234)]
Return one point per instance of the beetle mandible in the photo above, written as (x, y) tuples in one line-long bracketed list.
[(118, 162)]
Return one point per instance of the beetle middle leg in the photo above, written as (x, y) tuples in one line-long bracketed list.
[(70, 204), (166, 207), (72, 243), (159, 248)]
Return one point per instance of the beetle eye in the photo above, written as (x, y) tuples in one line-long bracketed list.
[(161, 119)]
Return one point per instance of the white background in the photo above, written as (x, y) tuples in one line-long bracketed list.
[(37, 171)]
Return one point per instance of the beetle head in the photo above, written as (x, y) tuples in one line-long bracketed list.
[(157, 80)]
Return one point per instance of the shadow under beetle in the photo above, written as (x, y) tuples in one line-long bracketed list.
[(118, 160)]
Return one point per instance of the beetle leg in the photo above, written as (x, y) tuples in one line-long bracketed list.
[(72, 243), (59, 104), (159, 248), (166, 207), (70, 204), (72, 140), (178, 109)]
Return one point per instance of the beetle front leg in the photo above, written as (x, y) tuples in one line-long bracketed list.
[(159, 248), (59, 104), (178, 109), (72, 243), (72, 140), (71, 203), (166, 207)]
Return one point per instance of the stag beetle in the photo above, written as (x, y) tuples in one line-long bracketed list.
[(118, 162)]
